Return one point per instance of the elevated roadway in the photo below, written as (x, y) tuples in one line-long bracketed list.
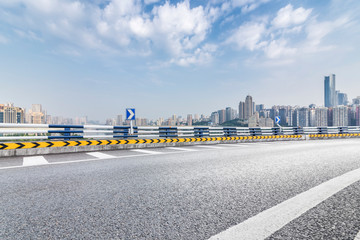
[(268, 190)]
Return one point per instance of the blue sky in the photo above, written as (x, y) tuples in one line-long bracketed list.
[(97, 58)]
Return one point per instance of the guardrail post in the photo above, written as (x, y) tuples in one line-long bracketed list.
[(298, 130), (255, 131), (167, 132), (228, 132), (343, 130), (201, 132), (322, 130), (275, 130), (66, 134)]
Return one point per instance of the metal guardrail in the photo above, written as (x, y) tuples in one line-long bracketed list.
[(11, 132)]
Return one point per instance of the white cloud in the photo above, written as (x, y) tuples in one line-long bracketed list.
[(316, 31), (200, 56), (289, 34), (246, 6), (288, 16), (248, 36), (179, 27), (278, 48), (122, 25)]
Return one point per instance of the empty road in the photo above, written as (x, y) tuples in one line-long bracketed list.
[(268, 190)]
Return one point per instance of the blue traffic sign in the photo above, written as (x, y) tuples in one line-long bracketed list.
[(130, 114), (277, 119)]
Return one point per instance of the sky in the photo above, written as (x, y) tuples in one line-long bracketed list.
[(96, 58)]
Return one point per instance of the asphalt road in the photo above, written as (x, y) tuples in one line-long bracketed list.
[(193, 192)]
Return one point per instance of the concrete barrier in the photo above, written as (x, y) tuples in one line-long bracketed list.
[(43, 148), (55, 147)]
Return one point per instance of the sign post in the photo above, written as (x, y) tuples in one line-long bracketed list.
[(130, 115), (277, 121)]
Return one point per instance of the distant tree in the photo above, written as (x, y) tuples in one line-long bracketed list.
[(235, 123), (203, 123)]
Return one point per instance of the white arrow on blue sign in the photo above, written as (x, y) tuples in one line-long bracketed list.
[(277, 119), (130, 114)]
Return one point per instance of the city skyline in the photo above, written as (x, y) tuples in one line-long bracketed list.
[(167, 57), (339, 112)]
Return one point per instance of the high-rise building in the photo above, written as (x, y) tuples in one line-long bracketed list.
[(329, 91), (356, 100), (357, 116), (303, 117), (11, 114), (340, 116), (283, 113), (254, 120), (342, 98), (222, 116), (312, 117), (259, 107), (196, 117), (230, 114), (266, 122), (2, 116), (249, 107), (36, 114), (215, 118), (189, 120), (119, 120), (242, 110), (274, 111), (321, 117)]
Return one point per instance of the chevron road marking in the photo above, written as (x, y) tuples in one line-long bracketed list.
[(273, 219), (33, 161), (100, 155)]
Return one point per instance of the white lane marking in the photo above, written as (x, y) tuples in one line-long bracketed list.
[(271, 220), (145, 151), (357, 236), (260, 144), (182, 149), (213, 147), (90, 160), (100, 155), (233, 145), (36, 160)]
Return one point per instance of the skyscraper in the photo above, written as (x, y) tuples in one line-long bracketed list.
[(329, 91), (303, 117), (248, 107), (357, 116), (222, 116), (340, 116), (215, 118), (321, 117), (342, 99), (242, 110)]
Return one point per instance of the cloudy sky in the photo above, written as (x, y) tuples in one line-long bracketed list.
[(97, 57)]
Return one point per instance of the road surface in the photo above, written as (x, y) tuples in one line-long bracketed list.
[(268, 190)]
